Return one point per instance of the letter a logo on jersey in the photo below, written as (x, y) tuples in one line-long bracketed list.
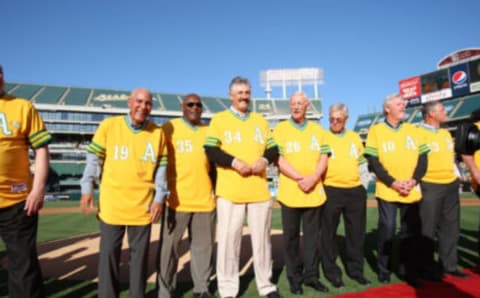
[(353, 151), (258, 136), (3, 125), (149, 153), (410, 143)]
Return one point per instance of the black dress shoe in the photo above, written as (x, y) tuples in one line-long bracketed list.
[(458, 274), (274, 294), (296, 289), (317, 285), (337, 283), (413, 281), (361, 280), (384, 278)]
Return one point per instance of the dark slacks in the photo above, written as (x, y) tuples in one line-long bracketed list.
[(300, 269), (410, 226), (19, 232), (201, 229), (351, 202), (440, 215), (111, 237)]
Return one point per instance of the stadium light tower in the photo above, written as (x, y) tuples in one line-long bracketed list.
[(291, 77)]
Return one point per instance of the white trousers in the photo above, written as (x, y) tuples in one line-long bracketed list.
[(230, 218)]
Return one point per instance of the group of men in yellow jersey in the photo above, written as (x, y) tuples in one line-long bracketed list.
[(189, 174)]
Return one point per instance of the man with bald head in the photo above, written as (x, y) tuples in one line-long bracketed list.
[(128, 152), (302, 162), (191, 203)]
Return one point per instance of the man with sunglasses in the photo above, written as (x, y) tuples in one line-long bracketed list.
[(345, 196), (191, 203)]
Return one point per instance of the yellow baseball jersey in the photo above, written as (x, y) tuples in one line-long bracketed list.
[(441, 158), (187, 172), (131, 157), (346, 155), (476, 158), (21, 127), (247, 139), (301, 146), (397, 149)]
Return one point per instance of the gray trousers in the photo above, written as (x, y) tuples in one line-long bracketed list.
[(111, 237), (201, 232), (440, 215)]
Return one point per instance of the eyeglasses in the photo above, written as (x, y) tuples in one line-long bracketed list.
[(336, 119), (191, 104)]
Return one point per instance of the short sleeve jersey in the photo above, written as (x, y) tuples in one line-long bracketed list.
[(398, 150), (346, 155), (131, 157), (21, 127), (188, 167), (245, 138), (301, 146), (441, 158)]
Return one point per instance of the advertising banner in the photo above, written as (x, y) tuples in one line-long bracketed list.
[(459, 79), (435, 86), (410, 90)]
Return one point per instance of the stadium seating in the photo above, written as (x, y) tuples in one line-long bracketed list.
[(263, 106), (25, 91), (213, 104), (171, 102), (466, 106), (50, 95), (316, 106), (282, 106), (76, 96)]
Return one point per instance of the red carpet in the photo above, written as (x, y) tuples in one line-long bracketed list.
[(449, 287)]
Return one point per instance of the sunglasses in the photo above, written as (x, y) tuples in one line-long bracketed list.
[(336, 119), (191, 104)]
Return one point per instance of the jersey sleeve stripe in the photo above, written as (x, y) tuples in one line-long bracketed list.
[(40, 139), (371, 151), (212, 142)]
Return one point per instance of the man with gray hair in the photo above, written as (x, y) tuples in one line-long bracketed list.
[(399, 161), (345, 195), (240, 144)]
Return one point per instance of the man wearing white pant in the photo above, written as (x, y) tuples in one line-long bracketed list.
[(239, 143)]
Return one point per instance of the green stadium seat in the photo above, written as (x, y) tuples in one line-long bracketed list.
[(50, 95), (364, 122), (68, 169), (26, 91), (77, 96), (171, 102), (316, 106), (8, 87), (213, 104), (467, 105), (226, 102), (282, 106)]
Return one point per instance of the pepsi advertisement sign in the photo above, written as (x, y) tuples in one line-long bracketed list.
[(459, 80)]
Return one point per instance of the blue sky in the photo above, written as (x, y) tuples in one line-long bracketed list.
[(363, 47)]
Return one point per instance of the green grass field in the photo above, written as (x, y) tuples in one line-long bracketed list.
[(59, 226)]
